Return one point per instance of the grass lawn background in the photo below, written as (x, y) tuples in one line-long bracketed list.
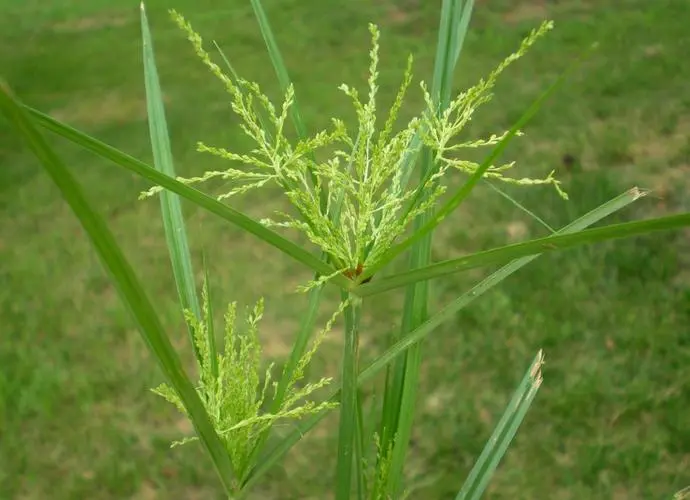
[(611, 420)]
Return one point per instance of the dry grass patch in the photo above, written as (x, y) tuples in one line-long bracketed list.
[(111, 108), (94, 23)]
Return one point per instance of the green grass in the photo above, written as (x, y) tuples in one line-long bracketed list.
[(611, 420)]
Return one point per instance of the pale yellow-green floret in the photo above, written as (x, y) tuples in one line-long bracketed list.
[(234, 394)]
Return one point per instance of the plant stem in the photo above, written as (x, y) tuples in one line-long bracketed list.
[(414, 315), (348, 399)]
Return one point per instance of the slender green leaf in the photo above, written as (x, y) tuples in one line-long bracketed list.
[(455, 19), (173, 220), (407, 368), (441, 80), (451, 36), (531, 247), (503, 433), (447, 313), (408, 400), (403, 371), (459, 40), (126, 283), (204, 201)]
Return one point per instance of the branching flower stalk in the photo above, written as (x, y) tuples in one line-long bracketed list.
[(231, 389), (349, 403), (362, 168), (441, 129)]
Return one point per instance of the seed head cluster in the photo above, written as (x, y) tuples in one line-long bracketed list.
[(351, 190)]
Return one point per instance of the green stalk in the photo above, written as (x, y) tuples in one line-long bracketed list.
[(402, 391), (395, 375), (347, 430), (414, 314), (360, 447), (413, 310), (404, 370)]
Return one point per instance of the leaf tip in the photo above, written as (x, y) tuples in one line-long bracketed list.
[(638, 193), (535, 371)]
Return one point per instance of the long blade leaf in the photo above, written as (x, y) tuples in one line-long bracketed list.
[(504, 432), (519, 205), (173, 221), (532, 247), (125, 281)]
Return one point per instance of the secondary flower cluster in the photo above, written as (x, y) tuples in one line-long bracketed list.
[(230, 384)]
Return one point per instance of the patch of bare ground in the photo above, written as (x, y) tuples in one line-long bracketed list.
[(111, 108), (526, 11), (93, 23)]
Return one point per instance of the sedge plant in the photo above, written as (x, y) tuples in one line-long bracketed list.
[(363, 194)]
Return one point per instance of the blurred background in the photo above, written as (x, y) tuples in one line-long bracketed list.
[(612, 419)]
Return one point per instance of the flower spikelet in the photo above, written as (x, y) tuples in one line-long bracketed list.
[(351, 187), (234, 395)]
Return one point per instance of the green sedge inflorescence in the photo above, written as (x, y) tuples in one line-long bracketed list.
[(360, 199), (231, 388)]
